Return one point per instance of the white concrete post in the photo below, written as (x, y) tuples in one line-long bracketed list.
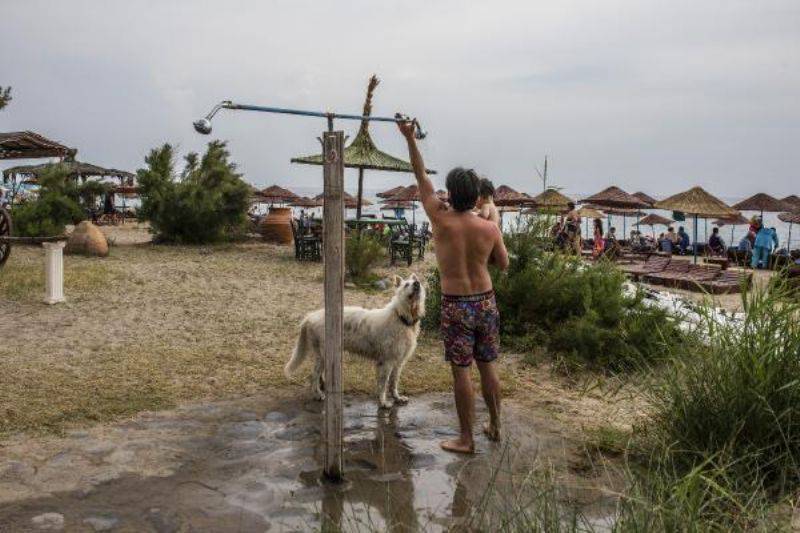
[(54, 271)]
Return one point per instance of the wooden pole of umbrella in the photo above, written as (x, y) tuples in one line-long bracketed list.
[(333, 222)]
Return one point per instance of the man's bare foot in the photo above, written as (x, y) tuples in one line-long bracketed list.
[(458, 446), (492, 432)]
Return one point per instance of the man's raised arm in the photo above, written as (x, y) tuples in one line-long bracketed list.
[(427, 193)]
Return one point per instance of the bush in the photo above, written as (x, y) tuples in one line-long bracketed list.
[(58, 203), (362, 253), (736, 399), (207, 203)]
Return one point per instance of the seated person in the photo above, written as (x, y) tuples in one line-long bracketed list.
[(665, 243), (715, 243), (746, 243), (683, 240)]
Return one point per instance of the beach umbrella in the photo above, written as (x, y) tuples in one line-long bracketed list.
[(442, 195), (550, 199), (696, 201), (646, 198), (276, 195), (790, 218), (306, 202), (73, 169), (362, 152), (505, 196), (408, 194), (614, 197), (390, 192), (793, 202), (733, 221), (654, 220), (762, 202)]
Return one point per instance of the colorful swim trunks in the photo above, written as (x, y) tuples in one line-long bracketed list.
[(470, 328)]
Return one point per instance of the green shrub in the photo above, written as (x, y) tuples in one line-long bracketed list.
[(363, 252), (58, 203), (207, 203), (736, 398)]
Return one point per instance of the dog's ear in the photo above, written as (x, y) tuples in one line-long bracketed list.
[(397, 280), (414, 276)]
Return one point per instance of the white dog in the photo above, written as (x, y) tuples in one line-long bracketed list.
[(387, 336)]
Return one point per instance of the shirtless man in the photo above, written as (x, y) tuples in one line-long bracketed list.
[(465, 245)]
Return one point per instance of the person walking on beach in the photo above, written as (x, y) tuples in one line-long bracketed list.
[(465, 246), (485, 204)]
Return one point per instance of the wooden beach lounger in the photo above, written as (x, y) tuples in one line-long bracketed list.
[(674, 270), (728, 282), (653, 264)]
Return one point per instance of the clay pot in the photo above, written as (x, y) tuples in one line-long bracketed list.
[(87, 239), (277, 225)]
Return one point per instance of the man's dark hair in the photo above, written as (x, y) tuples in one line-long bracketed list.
[(462, 186), (486, 188)]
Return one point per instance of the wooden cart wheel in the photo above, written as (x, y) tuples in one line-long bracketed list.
[(5, 231)]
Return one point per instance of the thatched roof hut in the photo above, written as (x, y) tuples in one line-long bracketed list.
[(29, 145), (306, 202), (73, 169)]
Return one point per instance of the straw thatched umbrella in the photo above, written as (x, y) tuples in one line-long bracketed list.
[(696, 201), (362, 153), (550, 199), (276, 195), (646, 198), (790, 218), (793, 202), (654, 220), (390, 192), (408, 194), (442, 195), (732, 221), (306, 202), (761, 202), (615, 198)]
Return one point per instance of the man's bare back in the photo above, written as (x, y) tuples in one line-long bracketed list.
[(465, 246)]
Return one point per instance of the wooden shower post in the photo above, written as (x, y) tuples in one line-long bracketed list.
[(333, 242)]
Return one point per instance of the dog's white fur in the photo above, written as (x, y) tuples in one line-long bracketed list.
[(377, 334)]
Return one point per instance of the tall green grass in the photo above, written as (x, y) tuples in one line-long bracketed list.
[(735, 400)]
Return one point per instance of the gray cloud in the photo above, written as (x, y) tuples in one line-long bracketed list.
[(651, 95)]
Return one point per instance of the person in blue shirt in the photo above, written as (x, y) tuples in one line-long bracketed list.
[(766, 241), (683, 240)]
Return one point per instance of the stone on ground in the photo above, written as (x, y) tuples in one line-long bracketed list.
[(48, 521)]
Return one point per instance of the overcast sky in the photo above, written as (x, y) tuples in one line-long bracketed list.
[(648, 95)]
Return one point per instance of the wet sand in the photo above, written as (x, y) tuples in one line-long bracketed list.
[(255, 464)]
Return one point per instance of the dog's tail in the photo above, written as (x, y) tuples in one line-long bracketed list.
[(301, 350)]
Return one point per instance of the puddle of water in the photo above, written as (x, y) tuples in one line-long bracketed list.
[(253, 468)]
